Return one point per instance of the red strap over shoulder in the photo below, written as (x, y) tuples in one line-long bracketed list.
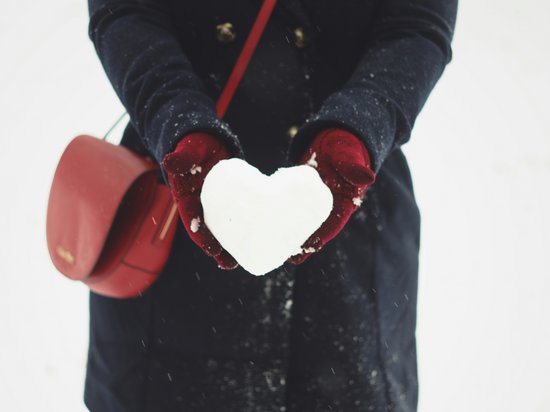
[(245, 56)]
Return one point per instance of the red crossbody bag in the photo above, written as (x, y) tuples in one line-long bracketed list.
[(111, 221)]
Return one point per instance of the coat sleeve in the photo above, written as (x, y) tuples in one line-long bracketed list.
[(151, 75), (407, 51)]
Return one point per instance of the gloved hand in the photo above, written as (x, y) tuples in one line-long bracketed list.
[(344, 166), (186, 168)]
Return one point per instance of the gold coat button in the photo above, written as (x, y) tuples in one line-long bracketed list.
[(225, 32), (292, 130), (300, 38)]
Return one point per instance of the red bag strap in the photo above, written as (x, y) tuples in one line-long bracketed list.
[(245, 56), (240, 66)]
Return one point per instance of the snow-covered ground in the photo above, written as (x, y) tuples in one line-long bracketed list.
[(480, 158)]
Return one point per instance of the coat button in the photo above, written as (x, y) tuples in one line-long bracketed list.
[(300, 38), (292, 130), (225, 32)]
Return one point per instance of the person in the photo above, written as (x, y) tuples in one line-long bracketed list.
[(336, 85)]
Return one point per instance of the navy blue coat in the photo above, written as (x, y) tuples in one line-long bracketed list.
[(336, 333)]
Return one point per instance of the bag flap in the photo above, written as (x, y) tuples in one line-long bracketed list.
[(89, 183)]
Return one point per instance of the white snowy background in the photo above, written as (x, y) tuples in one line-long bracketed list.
[(480, 158)]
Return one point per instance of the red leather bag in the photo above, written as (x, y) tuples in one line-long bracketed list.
[(111, 221)]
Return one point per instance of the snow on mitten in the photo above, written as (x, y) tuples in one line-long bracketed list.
[(186, 168), (344, 166)]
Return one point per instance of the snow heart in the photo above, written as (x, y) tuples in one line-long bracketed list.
[(263, 220)]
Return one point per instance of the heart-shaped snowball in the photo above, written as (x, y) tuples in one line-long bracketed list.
[(263, 220)]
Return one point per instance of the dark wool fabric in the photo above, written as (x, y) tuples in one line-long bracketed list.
[(336, 333)]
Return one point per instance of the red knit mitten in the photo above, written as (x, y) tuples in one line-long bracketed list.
[(344, 166), (186, 168)]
